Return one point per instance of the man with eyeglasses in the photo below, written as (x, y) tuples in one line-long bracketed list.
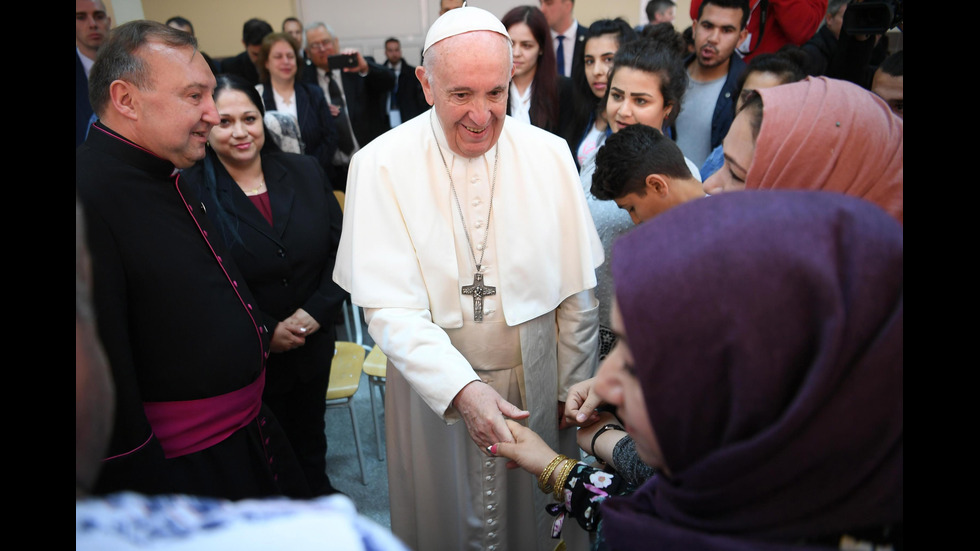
[(356, 95)]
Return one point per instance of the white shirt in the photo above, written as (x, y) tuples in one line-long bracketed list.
[(570, 34), (520, 104), (86, 62)]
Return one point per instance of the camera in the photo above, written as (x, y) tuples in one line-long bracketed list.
[(342, 61), (872, 16)]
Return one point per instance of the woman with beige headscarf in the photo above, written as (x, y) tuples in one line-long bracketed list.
[(816, 134)]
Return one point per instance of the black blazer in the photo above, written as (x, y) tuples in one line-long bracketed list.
[(242, 66), (316, 125), (578, 56), (410, 97), (579, 52), (366, 97), (83, 110), (289, 264)]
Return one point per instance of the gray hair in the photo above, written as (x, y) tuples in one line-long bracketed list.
[(119, 59)]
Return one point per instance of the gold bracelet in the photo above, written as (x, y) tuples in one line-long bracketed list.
[(546, 474), (566, 469)]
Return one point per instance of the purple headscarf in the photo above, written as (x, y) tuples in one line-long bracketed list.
[(766, 330)]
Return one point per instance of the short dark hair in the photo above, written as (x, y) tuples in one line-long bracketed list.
[(894, 64), (656, 6), (786, 64), (288, 19), (181, 21), (118, 58), (392, 39), (254, 31), (652, 56), (733, 4), (623, 163)]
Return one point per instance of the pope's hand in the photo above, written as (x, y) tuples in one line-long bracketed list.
[(528, 451), (581, 403), (483, 410)]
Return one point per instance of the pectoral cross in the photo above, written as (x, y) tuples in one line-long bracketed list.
[(478, 290)]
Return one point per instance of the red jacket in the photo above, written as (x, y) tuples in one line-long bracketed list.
[(787, 22)]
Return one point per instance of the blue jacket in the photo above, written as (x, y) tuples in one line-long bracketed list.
[(724, 113)]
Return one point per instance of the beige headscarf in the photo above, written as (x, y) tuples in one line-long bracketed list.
[(831, 135)]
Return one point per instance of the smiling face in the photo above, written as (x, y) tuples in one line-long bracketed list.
[(175, 112), (739, 148), (526, 50), (617, 385), (599, 52), (635, 98), (282, 61), (239, 136), (470, 77)]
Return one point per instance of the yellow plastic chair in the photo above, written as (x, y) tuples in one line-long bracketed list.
[(376, 368), (345, 378)]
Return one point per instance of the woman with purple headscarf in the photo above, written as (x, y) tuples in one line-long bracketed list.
[(760, 369)]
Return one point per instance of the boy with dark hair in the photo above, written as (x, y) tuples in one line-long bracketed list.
[(644, 172)]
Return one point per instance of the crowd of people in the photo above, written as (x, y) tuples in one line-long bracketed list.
[(669, 285)]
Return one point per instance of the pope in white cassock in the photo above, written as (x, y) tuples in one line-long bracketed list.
[(468, 243)]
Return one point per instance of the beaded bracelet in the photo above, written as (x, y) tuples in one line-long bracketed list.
[(545, 475), (610, 426), (566, 469)]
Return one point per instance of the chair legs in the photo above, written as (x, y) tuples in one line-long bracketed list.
[(349, 404), (357, 439), (380, 383)]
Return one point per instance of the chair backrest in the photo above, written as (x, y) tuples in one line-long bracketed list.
[(345, 370), (340, 198)]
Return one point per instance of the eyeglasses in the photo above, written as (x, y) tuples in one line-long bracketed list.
[(320, 46)]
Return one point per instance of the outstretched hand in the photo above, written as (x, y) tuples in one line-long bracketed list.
[(484, 411), (581, 404), (528, 450)]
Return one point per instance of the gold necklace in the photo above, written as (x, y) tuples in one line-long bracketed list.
[(257, 190)]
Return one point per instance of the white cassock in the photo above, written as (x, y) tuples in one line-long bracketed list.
[(404, 258)]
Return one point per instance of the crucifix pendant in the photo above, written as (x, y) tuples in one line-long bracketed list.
[(478, 290)]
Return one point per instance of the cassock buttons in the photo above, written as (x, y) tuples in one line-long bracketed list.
[(285, 282), (281, 253)]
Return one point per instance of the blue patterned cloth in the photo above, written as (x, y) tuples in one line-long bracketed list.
[(130, 521)]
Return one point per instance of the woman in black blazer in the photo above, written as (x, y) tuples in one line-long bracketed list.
[(282, 90), (281, 221)]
